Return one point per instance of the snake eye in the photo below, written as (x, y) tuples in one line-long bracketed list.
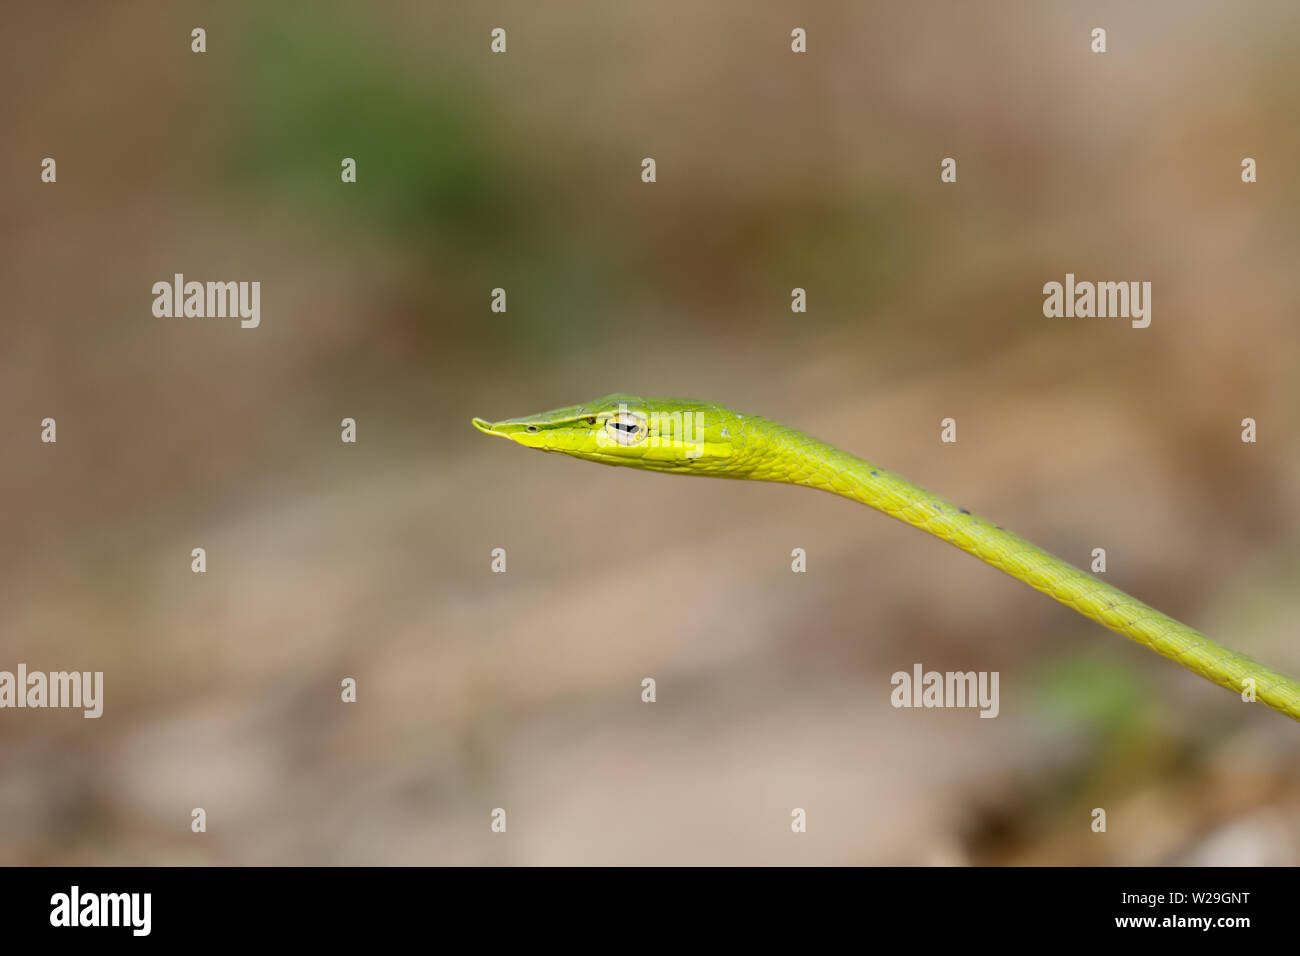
[(532, 428), (625, 428)]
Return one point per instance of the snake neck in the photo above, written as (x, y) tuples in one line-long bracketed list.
[(790, 456)]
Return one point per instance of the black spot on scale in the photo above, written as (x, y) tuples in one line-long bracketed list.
[(875, 474), (963, 511)]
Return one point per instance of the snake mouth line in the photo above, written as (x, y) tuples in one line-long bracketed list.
[(486, 428)]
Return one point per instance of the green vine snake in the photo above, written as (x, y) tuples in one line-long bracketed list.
[(686, 437)]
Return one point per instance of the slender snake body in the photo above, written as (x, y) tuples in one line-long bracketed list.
[(683, 436)]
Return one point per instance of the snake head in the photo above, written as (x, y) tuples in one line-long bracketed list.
[(657, 434)]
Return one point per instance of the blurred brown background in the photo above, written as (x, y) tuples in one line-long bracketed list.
[(522, 691)]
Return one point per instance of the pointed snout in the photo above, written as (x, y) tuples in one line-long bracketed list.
[(507, 429)]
